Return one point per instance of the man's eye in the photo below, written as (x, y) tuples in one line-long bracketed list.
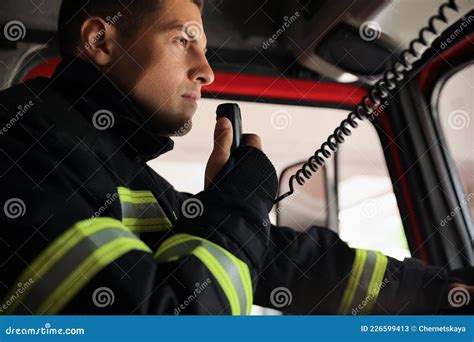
[(183, 41)]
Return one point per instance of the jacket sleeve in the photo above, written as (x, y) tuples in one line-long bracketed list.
[(315, 272), (63, 251)]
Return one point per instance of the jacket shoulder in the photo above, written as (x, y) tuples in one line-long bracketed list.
[(35, 111), (22, 95)]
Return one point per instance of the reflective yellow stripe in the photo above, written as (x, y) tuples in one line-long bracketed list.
[(244, 274), (147, 225), (232, 274), (67, 255), (376, 282), (136, 196), (141, 212), (365, 282), (97, 261), (135, 193), (58, 248), (351, 288), (173, 241), (221, 276), (208, 260)]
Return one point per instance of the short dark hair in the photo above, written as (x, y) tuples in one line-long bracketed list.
[(131, 13)]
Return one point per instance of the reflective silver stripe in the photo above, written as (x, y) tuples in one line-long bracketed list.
[(363, 285), (141, 212), (44, 287), (144, 217), (189, 246), (365, 282)]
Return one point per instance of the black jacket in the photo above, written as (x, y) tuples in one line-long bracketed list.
[(90, 228)]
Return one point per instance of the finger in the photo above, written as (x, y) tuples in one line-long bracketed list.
[(222, 139), (252, 140)]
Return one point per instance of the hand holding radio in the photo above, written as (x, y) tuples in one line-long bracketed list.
[(228, 137)]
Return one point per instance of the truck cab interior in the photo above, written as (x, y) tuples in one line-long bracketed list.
[(401, 183)]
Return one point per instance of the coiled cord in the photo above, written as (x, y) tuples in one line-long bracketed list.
[(379, 92)]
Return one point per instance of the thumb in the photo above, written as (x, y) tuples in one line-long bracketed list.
[(221, 152), (222, 139)]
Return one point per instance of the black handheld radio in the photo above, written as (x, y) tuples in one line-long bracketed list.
[(232, 112)]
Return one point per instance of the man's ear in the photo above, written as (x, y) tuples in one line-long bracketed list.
[(97, 40)]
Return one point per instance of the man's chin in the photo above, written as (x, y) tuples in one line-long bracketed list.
[(183, 129), (171, 122)]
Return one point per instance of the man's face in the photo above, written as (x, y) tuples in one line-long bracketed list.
[(163, 66)]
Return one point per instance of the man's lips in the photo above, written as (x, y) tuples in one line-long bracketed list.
[(193, 97)]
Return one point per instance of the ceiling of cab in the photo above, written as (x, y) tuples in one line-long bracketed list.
[(306, 39)]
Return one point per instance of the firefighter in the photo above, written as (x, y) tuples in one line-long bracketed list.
[(90, 228)]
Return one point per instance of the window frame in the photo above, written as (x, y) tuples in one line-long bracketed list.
[(448, 159)]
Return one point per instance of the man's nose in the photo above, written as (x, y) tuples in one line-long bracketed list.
[(203, 73)]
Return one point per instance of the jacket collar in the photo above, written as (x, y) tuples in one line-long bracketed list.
[(91, 93)]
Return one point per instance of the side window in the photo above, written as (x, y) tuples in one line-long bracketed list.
[(455, 105), (368, 212)]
